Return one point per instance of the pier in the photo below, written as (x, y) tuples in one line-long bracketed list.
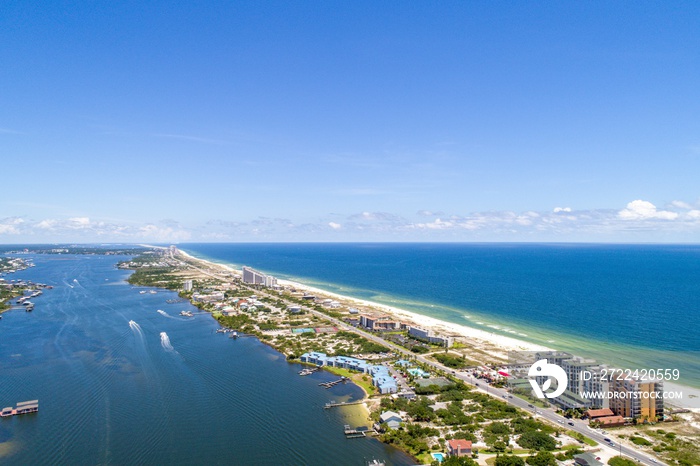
[(347, 403), (24, 407), (354, 433), (328, 385)]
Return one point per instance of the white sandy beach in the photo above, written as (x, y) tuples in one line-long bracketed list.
[(495, 344), (502, 342)]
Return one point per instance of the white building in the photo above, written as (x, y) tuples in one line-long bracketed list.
[(187, 285), (253, 277), (431, 337)]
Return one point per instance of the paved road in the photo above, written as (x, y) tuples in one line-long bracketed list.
[(546, 413)]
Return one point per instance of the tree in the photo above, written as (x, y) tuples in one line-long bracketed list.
[(458, 461), (509, 460), (620, 461), (542, 458), (536, 440)]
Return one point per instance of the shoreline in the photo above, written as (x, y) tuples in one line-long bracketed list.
[(491, 343), (503, 342)]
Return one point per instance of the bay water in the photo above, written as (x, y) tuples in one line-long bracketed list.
[(119, 382)]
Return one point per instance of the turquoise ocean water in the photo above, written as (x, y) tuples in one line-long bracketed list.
[(634, 306)]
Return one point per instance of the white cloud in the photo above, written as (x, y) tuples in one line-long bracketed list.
[(436, 224), (78, 222), (681, 205), (164, 234), (562, 209), (335, 226), (644, 210)]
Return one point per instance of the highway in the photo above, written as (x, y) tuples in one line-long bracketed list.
[(502, 394)]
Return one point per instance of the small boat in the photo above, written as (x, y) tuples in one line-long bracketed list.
[(142, 292), (153, 292), (233, 335), (186, 313), (30, 308)]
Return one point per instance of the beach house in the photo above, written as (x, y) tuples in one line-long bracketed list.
[(459, 447), (390, 420)]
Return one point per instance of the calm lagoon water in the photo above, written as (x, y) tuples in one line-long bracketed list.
[(168, 390)]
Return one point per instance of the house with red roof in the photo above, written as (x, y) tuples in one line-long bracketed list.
[(459, 447)]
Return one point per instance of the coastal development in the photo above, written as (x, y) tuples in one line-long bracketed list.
[(431, 390)]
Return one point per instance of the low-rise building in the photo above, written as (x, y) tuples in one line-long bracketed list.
[(594, 414), (611, 421), (587, 459), (390, 419), (459, 447), (208, 297), (380, 322)]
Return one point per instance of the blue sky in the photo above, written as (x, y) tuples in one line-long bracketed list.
[(350, 121)]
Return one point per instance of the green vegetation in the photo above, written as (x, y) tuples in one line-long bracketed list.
[(620, 461), (449, 360), (537, 440), (542, 458), (365, 346), (640, 441), (581, 438), (410, 438), (455, 461), (509, 460), (157, 277)]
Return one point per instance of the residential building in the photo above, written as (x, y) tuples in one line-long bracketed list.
[(611, 421), (459, 447), (253, 277), (382, 379), (390, 419), (380, 322), (187, 285), (208, 297), (587, 459), (638, 399), (593, 414), (431, 337)]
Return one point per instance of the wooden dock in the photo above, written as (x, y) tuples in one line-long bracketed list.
[(327, 385), (354, 433), (347, 403), (24, 407)]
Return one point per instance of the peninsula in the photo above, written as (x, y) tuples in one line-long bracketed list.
[(432, 388)]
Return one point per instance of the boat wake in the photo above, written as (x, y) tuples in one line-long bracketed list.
[(165, 342), (165, 314), (136, 328)]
